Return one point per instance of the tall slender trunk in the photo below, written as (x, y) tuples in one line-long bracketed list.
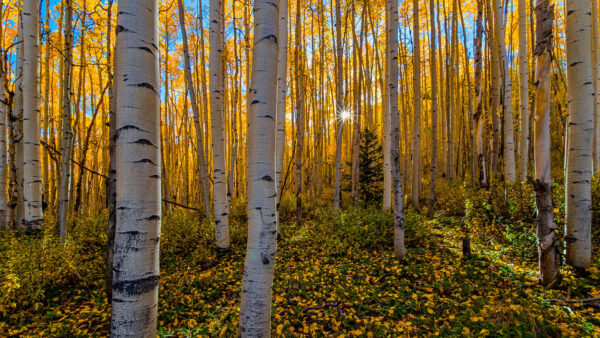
[(192, 94), (137, 145), (494, 90), (67, 132), (19, 205), (392, 51), (434, 102), (255, 308), (111, 182), (32, 170), (299, 113), (416, 153), (221, 207), (596, 72), (549, 258), (281, 94), (4, 111), (523, 93), (508, 154), (337, 187), (478, 116), (580, 92)]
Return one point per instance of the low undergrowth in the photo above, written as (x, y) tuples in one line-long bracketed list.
[(335, 275)]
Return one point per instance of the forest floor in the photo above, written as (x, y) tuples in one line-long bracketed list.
[(338, 276)]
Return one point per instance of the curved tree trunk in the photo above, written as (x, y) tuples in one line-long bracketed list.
[(221, 207), (549, 259), (32, 170), (138, 204), (255, 309), (580, 92)]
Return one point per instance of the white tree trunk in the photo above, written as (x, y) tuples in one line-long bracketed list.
[(523, 93), (19, 212), (392, 51), (337, 186), (4, 111), (281, 93), (416, 153), (508, 140), (221, 207), (193, 101), (137, 137), (32, 170), (255, 309), (596, 71), (67, 132), (549, 258), (434, 111), (580, 92)]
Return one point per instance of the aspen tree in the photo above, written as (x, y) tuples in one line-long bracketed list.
[(32, 170), (111, 182), (192, 94), (392, 51), (508, 154), (299, 68), (281, 94), (596, 74), (221, 207), (549, 259), (255, 308), (523, 93), (138, 202), (434, 103), (478, 116), (580, 93), (4, 112), (67, 132), (337, 187), (416, 154)]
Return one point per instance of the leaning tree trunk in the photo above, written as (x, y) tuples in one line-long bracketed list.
[(138, 204), (337, 186), (32, 169), (392, 51), (549, 258), (434, 93), (221, 207), (192, 94), (416, 151), (580, 92), (67, 132), (508, 154), (255, 308), (523, 93)]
